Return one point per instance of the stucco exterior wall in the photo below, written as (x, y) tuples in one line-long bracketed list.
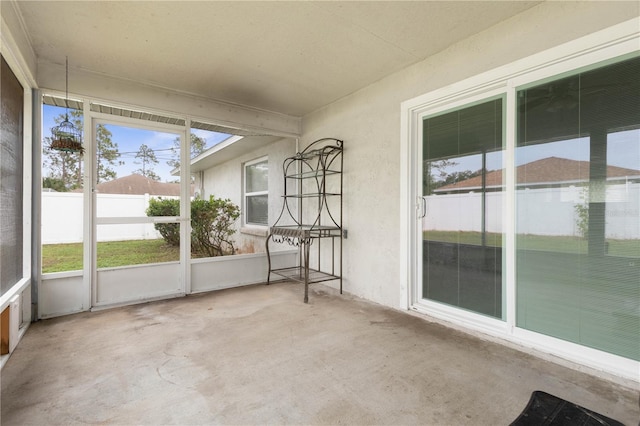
[(226, 181), (369, 123)]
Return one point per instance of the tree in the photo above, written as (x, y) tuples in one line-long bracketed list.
[(107, 154), (54, 183), (198, 145), (63, 167), (147, 159), (66, 167), (436, 175), (433, 173), (453, 177)]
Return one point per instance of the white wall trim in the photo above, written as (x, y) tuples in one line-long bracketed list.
[(18, 288), (13, 56)]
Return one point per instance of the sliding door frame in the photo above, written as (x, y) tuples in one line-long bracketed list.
[(610, 45), (419, 302)]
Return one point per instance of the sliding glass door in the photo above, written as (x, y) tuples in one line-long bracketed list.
[(573, 208), (578, 208), (462, 188)]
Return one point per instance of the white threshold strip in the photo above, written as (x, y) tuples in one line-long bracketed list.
[(552, 348)]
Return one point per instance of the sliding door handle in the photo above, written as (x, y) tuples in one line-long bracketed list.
[(422, 207)]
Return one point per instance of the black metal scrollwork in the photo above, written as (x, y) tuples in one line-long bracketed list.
[(312, 212)]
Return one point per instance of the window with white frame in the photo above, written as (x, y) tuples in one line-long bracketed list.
[(256, 192)]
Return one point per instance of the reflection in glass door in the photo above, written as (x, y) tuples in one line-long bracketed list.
[(462, 187), (578, 202), (137, 208)]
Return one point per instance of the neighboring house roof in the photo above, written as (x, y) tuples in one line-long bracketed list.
[(138, 184), (551, 170)]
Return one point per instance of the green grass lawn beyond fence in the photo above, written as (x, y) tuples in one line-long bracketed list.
[(561, 244), (68, 257)]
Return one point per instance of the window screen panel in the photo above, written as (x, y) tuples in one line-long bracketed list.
[(11, 178)]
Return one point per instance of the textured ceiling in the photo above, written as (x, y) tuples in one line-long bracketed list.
[(287, 57)]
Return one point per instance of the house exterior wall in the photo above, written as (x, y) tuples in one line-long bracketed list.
[(369, 121), (226, 181)]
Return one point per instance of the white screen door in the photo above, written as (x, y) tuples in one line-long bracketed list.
[(137, 199)]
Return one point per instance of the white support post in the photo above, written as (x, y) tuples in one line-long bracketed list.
[(185, 207)]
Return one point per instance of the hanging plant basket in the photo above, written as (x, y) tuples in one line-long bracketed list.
[(65, 136), (67, 145)]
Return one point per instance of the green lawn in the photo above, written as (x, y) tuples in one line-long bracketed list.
[(68, 257), (624, 248)]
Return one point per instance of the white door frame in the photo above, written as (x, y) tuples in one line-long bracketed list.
[(91, 220), (611, 44)]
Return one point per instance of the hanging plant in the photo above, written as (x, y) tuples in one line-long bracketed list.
[(66, 137), (67, 145)]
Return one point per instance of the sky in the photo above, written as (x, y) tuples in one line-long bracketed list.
[(624, 148), (130, 139)]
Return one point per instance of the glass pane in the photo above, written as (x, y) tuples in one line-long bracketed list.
[(462, 228), (578, 203), (257, 177), (257, 209), (62, 197), (11, 179)]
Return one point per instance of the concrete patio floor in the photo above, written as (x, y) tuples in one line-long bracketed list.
[(258, 355)]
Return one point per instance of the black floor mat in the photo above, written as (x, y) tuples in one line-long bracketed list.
[(545, 409)]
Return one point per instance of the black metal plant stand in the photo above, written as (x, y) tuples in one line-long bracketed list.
[(311, 213)]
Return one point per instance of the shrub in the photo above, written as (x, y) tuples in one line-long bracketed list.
[(211, 224), (582, 214), (166, 207)]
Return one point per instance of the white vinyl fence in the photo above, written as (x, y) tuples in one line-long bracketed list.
[(62, 217), (554, 208)]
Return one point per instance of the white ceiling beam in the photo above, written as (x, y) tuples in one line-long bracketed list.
[(125, 92)]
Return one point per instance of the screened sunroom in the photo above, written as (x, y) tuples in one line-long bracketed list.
[(491, 190)]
